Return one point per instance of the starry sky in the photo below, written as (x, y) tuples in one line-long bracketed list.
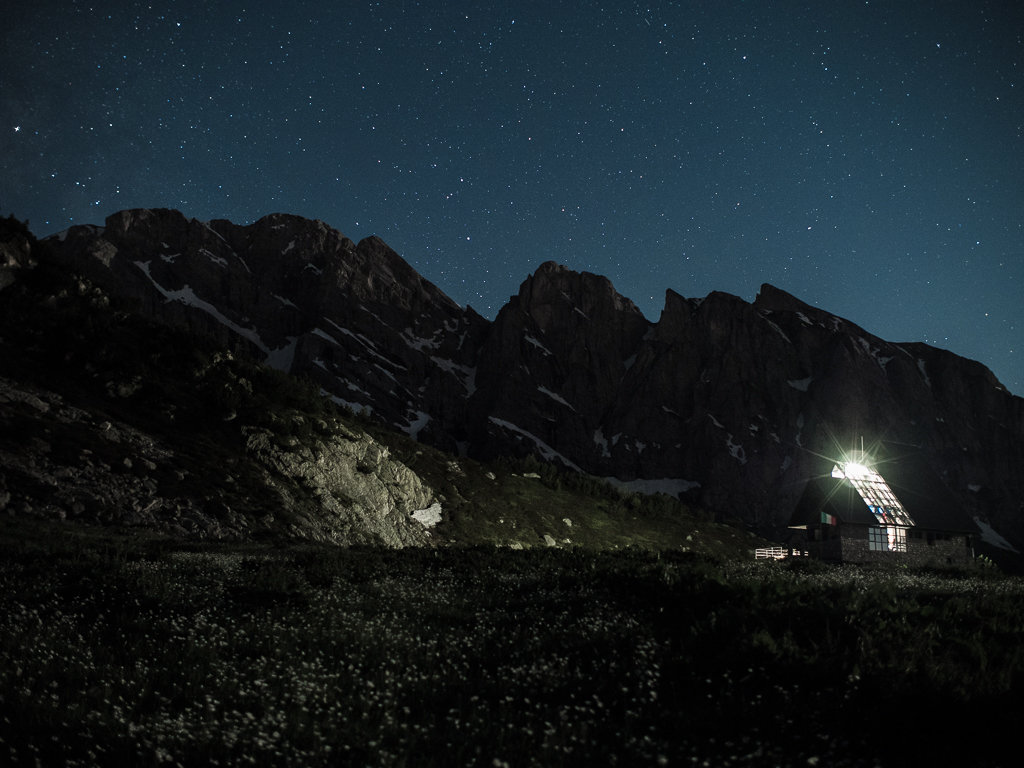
[(866, 157)]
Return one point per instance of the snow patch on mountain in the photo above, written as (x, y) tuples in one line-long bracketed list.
[(469, 374), (764, 315), (324, 335), (416, 424), (537, 344), (874, 352), (556, 397), (188, 297), (220, 261), (282, 358), (418, 343), (990, 536), (367, 344), (207, 225), (286, 302), (386, 372), (430, 516), (545, 450), (736, 451), (920, 367)]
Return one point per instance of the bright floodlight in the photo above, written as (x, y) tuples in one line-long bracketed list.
[(855, 470)]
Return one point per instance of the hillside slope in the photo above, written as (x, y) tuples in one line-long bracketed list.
[(724, 403)]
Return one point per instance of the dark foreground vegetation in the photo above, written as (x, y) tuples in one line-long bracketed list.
[(129, 648)]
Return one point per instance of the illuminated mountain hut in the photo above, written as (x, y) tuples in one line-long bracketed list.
[(888, 506)]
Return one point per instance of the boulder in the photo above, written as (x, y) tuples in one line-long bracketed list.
[(363, 494)]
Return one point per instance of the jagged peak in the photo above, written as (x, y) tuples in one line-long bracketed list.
[(288, 218), (778, 300), (552, 266), (373, 242), (674, 300), (722, 296), (589, 294), (676, 314), (122, 221)]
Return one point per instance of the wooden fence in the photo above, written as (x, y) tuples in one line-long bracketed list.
[(777, 553)]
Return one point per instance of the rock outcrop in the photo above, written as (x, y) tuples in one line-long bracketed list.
[(60, 462), (363, 494), (720, 400)]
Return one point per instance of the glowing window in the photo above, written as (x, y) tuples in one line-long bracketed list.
[(887, 539), (876, 494)]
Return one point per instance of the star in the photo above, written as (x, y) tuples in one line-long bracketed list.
[(17, 128)]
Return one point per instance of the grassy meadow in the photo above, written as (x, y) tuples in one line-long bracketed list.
[(123, 647)]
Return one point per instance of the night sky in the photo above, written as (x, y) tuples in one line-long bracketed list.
[(865, 157)]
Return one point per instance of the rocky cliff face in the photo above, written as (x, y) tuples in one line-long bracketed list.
[(555, 359), (720, 400)]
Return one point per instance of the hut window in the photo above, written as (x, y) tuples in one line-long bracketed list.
[(887, 539)]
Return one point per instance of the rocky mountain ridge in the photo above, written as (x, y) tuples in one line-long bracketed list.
[(111, 418), (720, 401)]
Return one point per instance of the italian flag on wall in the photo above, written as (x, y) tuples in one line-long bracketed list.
[(828, 519)]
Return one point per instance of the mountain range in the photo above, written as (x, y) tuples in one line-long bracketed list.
[(723, 403)]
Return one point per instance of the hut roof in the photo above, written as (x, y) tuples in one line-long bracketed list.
[(923, 495)]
